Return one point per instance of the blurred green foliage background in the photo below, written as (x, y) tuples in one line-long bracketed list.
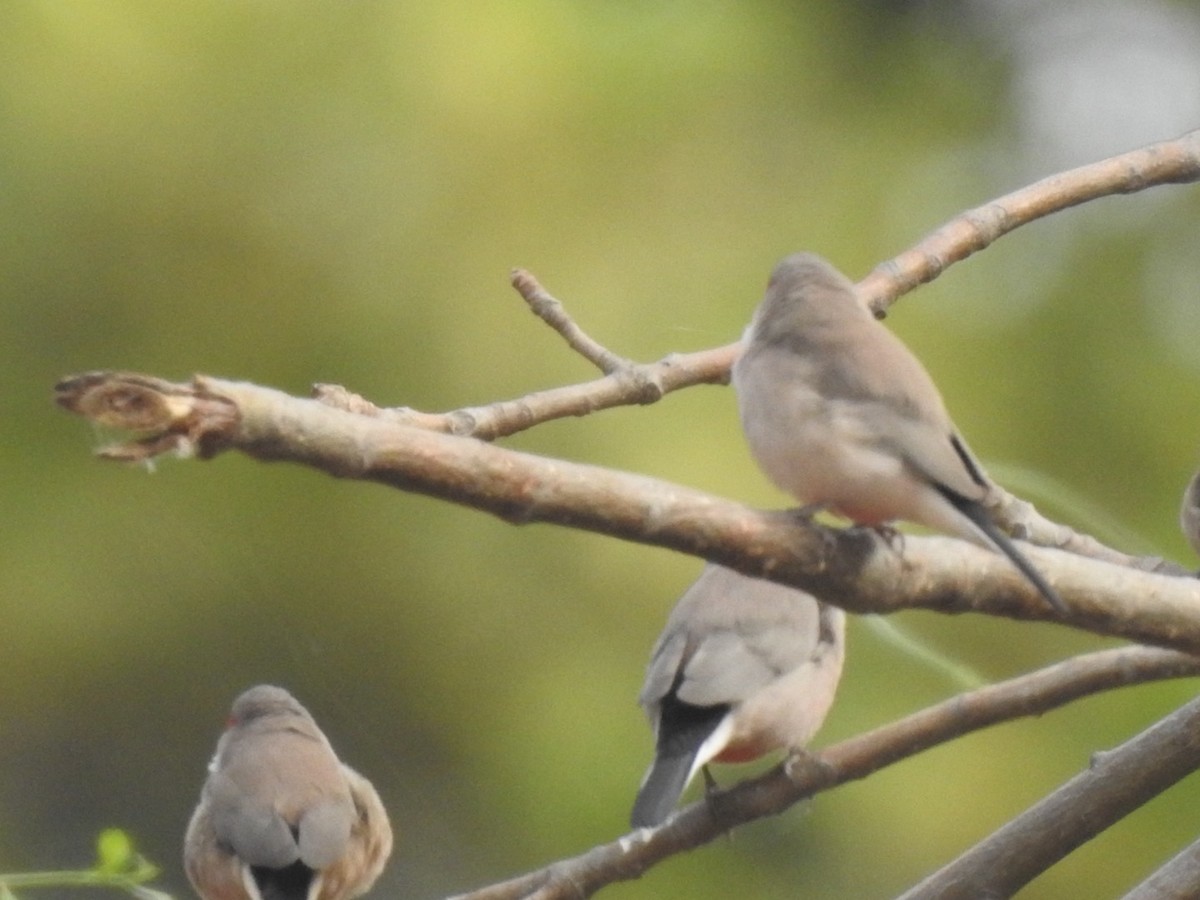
[(336, 191)]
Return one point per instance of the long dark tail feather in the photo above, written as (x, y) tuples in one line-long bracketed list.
[(978, 515), (682, 730), (661, 790)]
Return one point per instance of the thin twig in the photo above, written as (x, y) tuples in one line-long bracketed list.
[(1027, 695), (633, 385), (1168, 162), (1021, 519), (1116, 783), (553, 313)]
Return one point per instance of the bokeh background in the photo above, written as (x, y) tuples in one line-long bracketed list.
[(336, 191)]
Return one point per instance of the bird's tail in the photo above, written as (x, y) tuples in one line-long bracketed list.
[(683, 734), (979, 517), (661, 789)]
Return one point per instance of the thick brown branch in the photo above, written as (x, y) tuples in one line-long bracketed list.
[(770, 794), (1019, 517), (842, 567), (1116, 784), (651, 382), (1168, 162)]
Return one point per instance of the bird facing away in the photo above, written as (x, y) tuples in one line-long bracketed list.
[(1189, 513), (280, 818), (840, 414), (743, 667)]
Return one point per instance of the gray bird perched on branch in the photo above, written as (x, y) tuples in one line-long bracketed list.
[(743, 667), (280, 818), (1189, 513), (841, 415)]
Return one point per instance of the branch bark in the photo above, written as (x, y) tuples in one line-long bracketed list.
[(805, 775), (1167, 162), (628, 386), (1116, 784), (850, 568), (551, 311)]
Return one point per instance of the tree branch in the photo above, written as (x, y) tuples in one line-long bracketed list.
[(1168, 162), (634, 385), (851, 568), (552, 312), (626, 384), (801, 777), (1020, 519), (1116, 784), (651, 382), (1178, 877)]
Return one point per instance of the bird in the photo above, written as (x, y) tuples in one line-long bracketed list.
[(1189, 513), (280, 817), (743, 667), (839, 413)]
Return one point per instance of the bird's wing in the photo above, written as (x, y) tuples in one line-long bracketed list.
[(749, 639), (255, 832), (665, 661), (900, 403), (324, 831)]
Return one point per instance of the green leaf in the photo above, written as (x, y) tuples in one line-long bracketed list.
[(114, 851)]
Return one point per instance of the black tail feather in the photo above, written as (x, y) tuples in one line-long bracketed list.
[(682, 730), (979, 516), (661, 790)]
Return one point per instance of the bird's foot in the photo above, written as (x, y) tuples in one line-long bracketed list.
[(712, 799)]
